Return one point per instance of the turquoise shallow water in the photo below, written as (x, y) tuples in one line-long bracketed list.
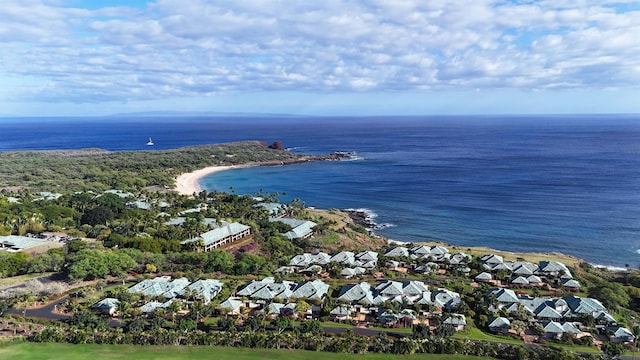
[(569, 184)]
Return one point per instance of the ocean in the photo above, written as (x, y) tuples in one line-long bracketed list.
[(568, 184)]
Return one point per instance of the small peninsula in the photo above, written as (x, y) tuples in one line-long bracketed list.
[(99, 170)]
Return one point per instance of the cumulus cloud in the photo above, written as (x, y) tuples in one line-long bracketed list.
[(176, 48)]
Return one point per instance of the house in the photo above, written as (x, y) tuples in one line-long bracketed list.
[(310, 290), (484, 277), (119, 193), (348, 273), (571, 284), (231, 306), (107, 306), (457, 321), (555, 269), (356, 293), (500, 298), (459, 258), (46, 195), (300, 229), (160, 286), (278, 309), (205, 289), (445, 299), (490, 261), (274, 209), (367, 259), (500, 325), (346, 258), (520, 281), (224, 234), (534, 280), (15, 243), (267, 289), (552, 330), (341, 313), (622, 335), (153, 305), (399, 251)]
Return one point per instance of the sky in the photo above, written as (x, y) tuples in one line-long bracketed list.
[(329, 57)]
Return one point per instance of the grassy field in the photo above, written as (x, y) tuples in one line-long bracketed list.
[(32, 351), (475, 334)]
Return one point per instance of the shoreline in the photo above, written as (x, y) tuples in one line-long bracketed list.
[(189, 183)]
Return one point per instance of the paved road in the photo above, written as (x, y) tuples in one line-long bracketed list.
[(45, 312)]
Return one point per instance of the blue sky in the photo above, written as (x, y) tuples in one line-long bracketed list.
[(347, 57)]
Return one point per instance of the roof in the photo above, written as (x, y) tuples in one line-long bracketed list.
[(456, 319), (500, 322), (19, 243), (445, 298), (553, 327), (299, 228), (344, 257), (272, 208), (520, 281), (503, 295), (161, 285), (547, 312), (341, 310), (224, 230), (584, 305), (206, 289), (551, 267), (570, 283), (120, 193), (311, 290), (106, 303), (484, 276), (399, 251), (231, 304), (492, 259), (624, 334), (356, 293), (153, 305)]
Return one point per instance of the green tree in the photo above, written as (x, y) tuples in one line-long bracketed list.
[(611, 350), (98, 216)]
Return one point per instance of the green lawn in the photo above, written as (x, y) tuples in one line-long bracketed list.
[(575, 348), (475, 334), (34, 351)]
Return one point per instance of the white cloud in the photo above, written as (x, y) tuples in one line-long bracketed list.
[(176, 48)]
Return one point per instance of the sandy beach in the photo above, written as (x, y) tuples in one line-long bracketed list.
[(188, 183)]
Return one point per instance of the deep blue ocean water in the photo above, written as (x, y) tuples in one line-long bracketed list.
[(567, 184)]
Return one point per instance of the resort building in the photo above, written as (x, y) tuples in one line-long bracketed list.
[(31, 245), (224, 234), (300, 229)]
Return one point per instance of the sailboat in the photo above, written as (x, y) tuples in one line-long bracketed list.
[(150, 143)]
